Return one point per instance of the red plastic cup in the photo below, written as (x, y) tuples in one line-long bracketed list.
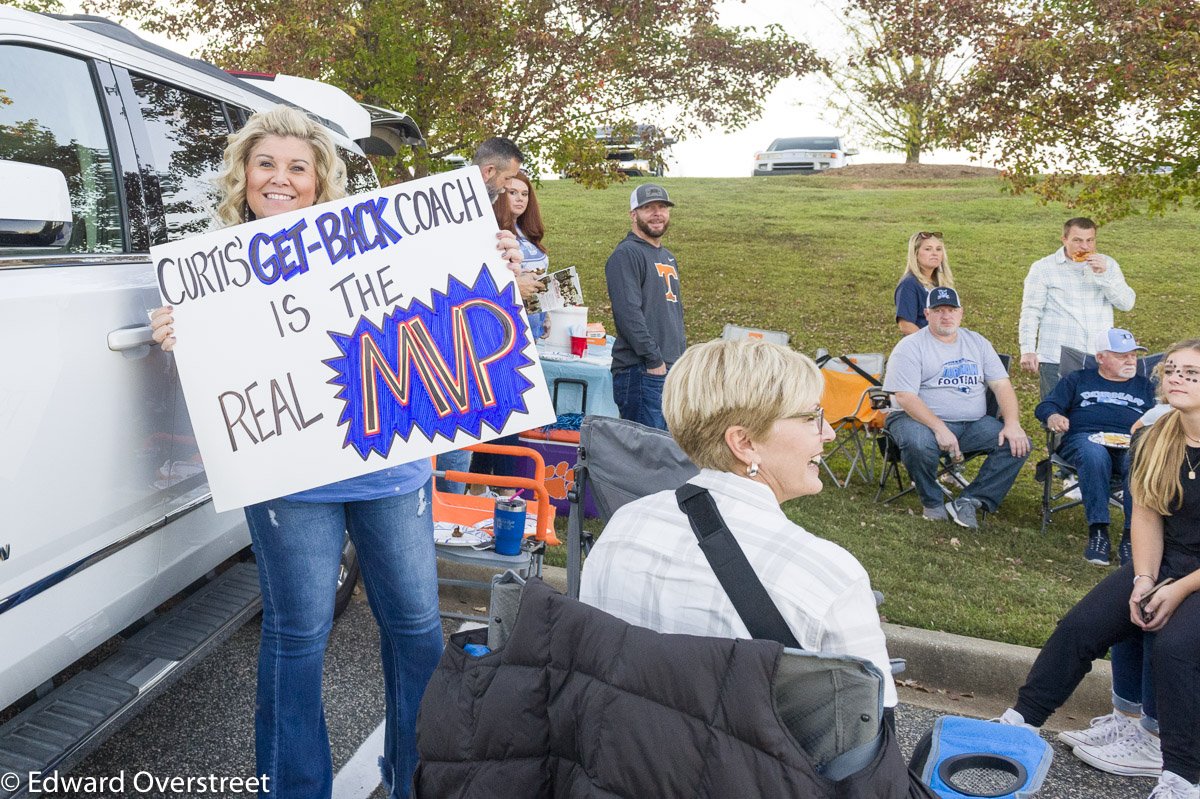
[(579, 345)]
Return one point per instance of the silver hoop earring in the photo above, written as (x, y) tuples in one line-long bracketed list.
[(752, 470)]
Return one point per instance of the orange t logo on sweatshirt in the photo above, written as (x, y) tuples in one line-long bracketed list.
[(666, 271)]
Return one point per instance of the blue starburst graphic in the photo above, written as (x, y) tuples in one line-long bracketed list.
[(452, 365)]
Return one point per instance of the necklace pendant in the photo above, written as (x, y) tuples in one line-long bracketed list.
[(1191, 475)]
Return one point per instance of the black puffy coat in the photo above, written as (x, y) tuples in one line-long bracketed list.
[(580, 704)]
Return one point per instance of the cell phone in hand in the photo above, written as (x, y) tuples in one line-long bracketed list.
[(1146, 596)]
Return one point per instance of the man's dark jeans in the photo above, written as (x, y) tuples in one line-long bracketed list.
[(1095, 465), (920, 454), (639, 396)]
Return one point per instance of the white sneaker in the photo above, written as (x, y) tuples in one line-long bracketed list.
[(1014, 719), (1172, 786), (1134, 754), (1102, 731)]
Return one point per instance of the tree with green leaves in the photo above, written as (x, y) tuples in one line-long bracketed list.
[(896, 82), (545, 73), (1093, 103)]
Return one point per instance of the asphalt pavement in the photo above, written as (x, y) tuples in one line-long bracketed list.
[(203, 725)]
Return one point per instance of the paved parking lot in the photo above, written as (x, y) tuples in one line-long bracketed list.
[(203, 724)]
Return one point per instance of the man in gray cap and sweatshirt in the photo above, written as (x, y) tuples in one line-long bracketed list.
[(647, 307)]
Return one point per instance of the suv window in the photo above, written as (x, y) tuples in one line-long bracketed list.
[(50, 116), (360, 176), (805, 144), (187, 134)]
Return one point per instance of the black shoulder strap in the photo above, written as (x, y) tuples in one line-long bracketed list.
[(861, 372), (751, 601)]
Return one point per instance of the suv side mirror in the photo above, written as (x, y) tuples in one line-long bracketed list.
[(35, 207), (851, 152)]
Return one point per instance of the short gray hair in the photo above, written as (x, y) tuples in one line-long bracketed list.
[(735, 382)]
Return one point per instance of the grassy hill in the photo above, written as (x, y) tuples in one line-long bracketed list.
[(819, 257)]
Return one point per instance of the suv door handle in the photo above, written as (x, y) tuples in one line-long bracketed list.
[(129, 338)]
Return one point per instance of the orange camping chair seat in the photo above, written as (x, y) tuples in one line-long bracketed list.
[(849, 380), (469, 510)]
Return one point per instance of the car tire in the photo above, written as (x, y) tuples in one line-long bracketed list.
[(348, 572)]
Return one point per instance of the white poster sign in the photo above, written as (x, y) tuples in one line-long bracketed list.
[(331, 342)]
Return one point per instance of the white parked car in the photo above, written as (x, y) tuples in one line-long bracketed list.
[(107, 145), (801, 156)]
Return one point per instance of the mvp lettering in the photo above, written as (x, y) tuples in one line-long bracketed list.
[(453, 365)]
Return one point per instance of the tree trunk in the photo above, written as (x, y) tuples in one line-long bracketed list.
[(914, 138)]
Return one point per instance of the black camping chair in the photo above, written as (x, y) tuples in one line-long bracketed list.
[(830, 707), (1054, 472), (894, 467)]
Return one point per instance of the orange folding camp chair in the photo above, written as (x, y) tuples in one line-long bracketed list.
[(469, 510), (847, 401)]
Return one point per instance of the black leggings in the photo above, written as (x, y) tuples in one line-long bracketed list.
[(1100, 620)]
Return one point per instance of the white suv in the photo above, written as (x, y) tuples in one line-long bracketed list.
[(801, 156), (107, 145)]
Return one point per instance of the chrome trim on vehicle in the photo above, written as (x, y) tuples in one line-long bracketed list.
[(49, 581), (71, 259)]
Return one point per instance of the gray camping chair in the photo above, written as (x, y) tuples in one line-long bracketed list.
[(619, 461)]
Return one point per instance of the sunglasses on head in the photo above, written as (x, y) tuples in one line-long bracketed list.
[(924, 235)]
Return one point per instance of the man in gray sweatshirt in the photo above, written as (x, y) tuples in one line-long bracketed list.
[(647, 307)]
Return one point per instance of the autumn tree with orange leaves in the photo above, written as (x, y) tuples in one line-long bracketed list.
[(1092, 103), (545, 73)]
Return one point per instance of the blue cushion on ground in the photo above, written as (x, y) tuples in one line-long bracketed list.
[(953, 736)]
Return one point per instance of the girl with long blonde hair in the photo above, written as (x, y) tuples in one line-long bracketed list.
[(926, 268), (1165, 484)]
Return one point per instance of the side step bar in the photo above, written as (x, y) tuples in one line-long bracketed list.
[(61, 729)]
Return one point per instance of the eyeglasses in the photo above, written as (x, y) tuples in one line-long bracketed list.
[(923, 235), (817, 416)]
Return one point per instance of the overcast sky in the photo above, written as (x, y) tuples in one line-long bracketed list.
[(795, 108)]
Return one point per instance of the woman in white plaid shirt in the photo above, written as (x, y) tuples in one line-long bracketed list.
[(748, 413)]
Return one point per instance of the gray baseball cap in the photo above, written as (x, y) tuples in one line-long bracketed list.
[(648, 193)]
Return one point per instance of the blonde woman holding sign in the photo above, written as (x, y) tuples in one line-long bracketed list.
[(282, 161)]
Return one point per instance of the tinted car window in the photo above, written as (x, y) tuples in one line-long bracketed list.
[(359, 175), (805, 144), (188, 134), (50, 116)]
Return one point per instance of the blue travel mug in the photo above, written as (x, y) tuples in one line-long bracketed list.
[(508, 525)]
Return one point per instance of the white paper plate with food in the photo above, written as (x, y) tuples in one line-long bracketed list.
[(458, 535), (1111, 439)]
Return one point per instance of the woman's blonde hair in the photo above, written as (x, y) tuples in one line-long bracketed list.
[(942, 276), (1159, 452), (286, 122), (723, 383)]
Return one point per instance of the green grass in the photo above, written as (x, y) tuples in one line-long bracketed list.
[(819, 258)]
